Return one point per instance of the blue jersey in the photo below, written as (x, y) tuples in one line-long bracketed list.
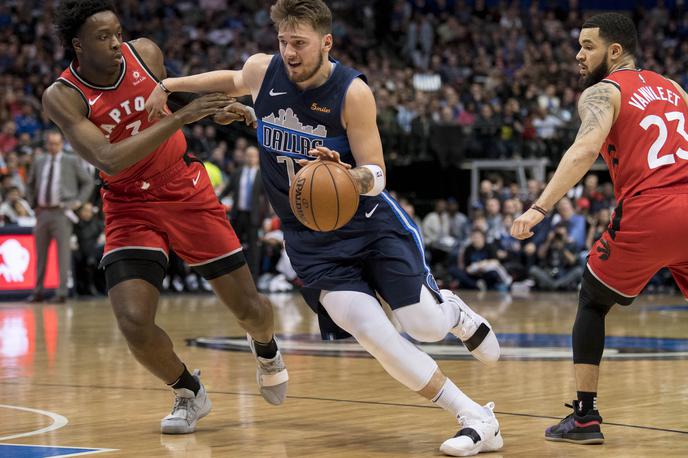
[(380, 251), (291, 122)]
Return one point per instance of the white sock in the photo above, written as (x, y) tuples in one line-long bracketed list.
[(454, 401)]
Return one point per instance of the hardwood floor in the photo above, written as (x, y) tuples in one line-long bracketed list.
[(70, 363)]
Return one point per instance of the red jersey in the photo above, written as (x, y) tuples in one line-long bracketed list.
[(118, 110), (647, 147)]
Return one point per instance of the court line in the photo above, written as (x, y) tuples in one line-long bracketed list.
[(349, 401), (58, 421)]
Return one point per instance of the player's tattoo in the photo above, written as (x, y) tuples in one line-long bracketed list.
[(594, 105), (364, 179)]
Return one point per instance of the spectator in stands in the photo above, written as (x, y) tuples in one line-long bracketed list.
[(574, 223), (559, 267), (8, 138), (478, 266), (598, 224), (16, 210)]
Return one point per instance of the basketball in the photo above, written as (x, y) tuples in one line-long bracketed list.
[(323, 196)]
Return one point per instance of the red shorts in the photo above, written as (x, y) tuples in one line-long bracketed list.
[(647, 233), (175, 209)]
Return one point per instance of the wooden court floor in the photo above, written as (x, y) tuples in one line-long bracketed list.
[(68, 380)]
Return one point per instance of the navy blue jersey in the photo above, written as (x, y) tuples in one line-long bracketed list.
[(291, 122), (380, 250)]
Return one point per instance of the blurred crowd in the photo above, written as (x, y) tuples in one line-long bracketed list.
[(453, 79)]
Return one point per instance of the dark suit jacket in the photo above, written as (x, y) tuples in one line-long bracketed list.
[(76, 184), (258, 203)]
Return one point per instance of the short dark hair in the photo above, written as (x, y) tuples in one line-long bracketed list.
[(71, 15), (615, 28)]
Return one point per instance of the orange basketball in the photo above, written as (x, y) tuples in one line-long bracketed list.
[(323, 196)]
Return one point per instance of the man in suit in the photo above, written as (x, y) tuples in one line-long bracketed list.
[(58, 184), (249, 207)]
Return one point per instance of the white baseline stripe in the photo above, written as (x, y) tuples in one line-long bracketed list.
[(58, 422)]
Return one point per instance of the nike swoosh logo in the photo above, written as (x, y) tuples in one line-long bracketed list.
[(195, 180), (370, 213), (93, 102), (273, 93)]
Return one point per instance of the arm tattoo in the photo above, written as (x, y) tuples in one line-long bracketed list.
[(594, 105), (364, 179)]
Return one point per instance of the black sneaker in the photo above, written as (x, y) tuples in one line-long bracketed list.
[(577, 429)]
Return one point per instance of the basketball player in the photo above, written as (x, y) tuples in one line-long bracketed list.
[(155, 196), (310, 107), (636, 118)]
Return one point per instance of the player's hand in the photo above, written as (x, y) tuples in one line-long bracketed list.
[(236, 111), (156, 103), (523, 225), (323, 153), (205, 105)]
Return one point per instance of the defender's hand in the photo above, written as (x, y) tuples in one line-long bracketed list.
[(156, 103), (236, 111), (206, 105)]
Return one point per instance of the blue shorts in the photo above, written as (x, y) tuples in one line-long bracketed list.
[(379, 251)]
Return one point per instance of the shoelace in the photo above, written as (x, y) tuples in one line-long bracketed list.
[(271, 366), (183, 403)]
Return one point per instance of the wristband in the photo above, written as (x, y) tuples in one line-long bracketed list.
[(378, 180), (539, 209), (163, 87)]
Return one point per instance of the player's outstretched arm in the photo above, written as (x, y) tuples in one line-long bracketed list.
[(65, 108), (597, 109), (235, 83)]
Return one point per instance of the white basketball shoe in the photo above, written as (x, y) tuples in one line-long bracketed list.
[(476, 435), (272, 376), (187, 410), (474, 331)]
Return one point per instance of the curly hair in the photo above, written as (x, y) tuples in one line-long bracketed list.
[(70, 15)]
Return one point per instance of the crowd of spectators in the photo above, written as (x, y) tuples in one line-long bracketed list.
[(453, 79)]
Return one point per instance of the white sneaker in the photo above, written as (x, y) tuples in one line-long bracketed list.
[(271, 375), (476, 435), (187, 410), (474, 331)]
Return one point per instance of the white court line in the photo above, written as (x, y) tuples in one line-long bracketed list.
[(58, 422)]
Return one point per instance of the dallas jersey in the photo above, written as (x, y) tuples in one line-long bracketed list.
[(380, 250), (118, 111), (647, 147)]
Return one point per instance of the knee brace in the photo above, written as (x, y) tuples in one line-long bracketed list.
[(594, 302)]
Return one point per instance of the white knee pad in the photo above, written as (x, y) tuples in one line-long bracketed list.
[(427, 321), (362, 316)]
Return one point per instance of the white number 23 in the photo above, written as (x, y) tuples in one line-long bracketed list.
[(654, 160)]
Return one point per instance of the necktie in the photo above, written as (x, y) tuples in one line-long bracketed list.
[(48, 196)]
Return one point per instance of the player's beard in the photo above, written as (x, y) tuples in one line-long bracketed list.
[(596, 75), (310, 74)]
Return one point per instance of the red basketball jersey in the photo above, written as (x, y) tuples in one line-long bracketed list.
[(118, 110), (647, 147)]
